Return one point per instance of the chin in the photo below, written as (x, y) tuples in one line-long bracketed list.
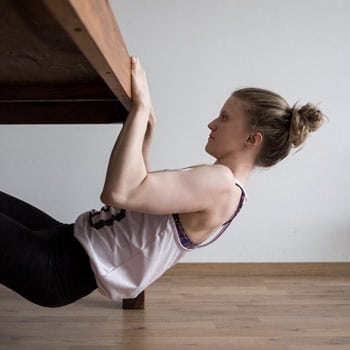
[(207, 149)]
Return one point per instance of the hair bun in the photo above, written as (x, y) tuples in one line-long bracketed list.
[(305, 119)]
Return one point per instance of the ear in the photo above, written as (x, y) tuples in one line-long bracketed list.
[(254, 139)]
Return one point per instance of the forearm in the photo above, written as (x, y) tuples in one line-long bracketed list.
[(127, 168), (148, 140), (145, 153)]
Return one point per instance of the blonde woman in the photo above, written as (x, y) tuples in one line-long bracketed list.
[(150, 219)]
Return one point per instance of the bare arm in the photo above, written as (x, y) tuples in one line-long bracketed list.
[(127, 168), (130, 185)]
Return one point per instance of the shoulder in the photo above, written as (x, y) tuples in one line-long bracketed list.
[(221, 181), (218, 168), (219, 175), (214, 182), (220, 200), (208, 184)]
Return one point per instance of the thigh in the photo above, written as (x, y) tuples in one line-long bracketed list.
[(25, 259), (75, 278), (25, 214), (51, 272)]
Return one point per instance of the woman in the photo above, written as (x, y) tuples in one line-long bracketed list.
[(165, 214)]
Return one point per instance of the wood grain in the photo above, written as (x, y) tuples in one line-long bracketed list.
[(263, 269), (92, 26), (62, 61), (137, 303), (192, 312)]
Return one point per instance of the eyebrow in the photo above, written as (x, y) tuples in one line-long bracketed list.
[(224, 113)]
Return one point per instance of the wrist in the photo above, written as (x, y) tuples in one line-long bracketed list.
[(138, 113), (140, 108)]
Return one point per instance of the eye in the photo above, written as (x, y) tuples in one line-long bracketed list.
[(223, 116)]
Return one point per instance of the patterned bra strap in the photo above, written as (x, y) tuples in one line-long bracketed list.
[(184, 239)]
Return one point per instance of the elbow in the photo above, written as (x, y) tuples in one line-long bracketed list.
[(104, 198), (113, 199), (120, 196)]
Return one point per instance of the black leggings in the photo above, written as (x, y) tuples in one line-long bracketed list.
[(40, 258)]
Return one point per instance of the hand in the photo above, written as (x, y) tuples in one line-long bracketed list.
[(139, 87)]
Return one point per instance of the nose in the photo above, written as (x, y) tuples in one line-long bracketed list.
[(212, 125)]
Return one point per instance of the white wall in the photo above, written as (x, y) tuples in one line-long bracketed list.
[(196, 53)]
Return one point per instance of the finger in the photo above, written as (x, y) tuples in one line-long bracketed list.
[(135, 61), (134, 64)]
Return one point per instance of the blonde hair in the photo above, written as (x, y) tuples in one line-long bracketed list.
[(283, 127)]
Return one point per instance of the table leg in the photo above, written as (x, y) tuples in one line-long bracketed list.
[(137, 303)]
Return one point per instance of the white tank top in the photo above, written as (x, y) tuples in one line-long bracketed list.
[(129, 250)]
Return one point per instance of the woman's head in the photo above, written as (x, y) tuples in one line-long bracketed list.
[(282, 127)]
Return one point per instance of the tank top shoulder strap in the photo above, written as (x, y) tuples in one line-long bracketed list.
[(227, 223)]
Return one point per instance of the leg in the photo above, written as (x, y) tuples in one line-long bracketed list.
[(25, 213), (49, 272)]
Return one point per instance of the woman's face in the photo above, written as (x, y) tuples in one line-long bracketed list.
[(229, 130)]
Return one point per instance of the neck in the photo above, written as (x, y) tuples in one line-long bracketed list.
[(241, 169)]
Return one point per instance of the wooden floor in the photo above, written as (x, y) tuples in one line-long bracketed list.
[(182, 312)]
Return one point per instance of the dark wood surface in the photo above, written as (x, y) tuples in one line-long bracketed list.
[(137, 303), (62, 61)]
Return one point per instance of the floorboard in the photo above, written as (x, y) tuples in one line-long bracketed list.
[(183, 312)]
